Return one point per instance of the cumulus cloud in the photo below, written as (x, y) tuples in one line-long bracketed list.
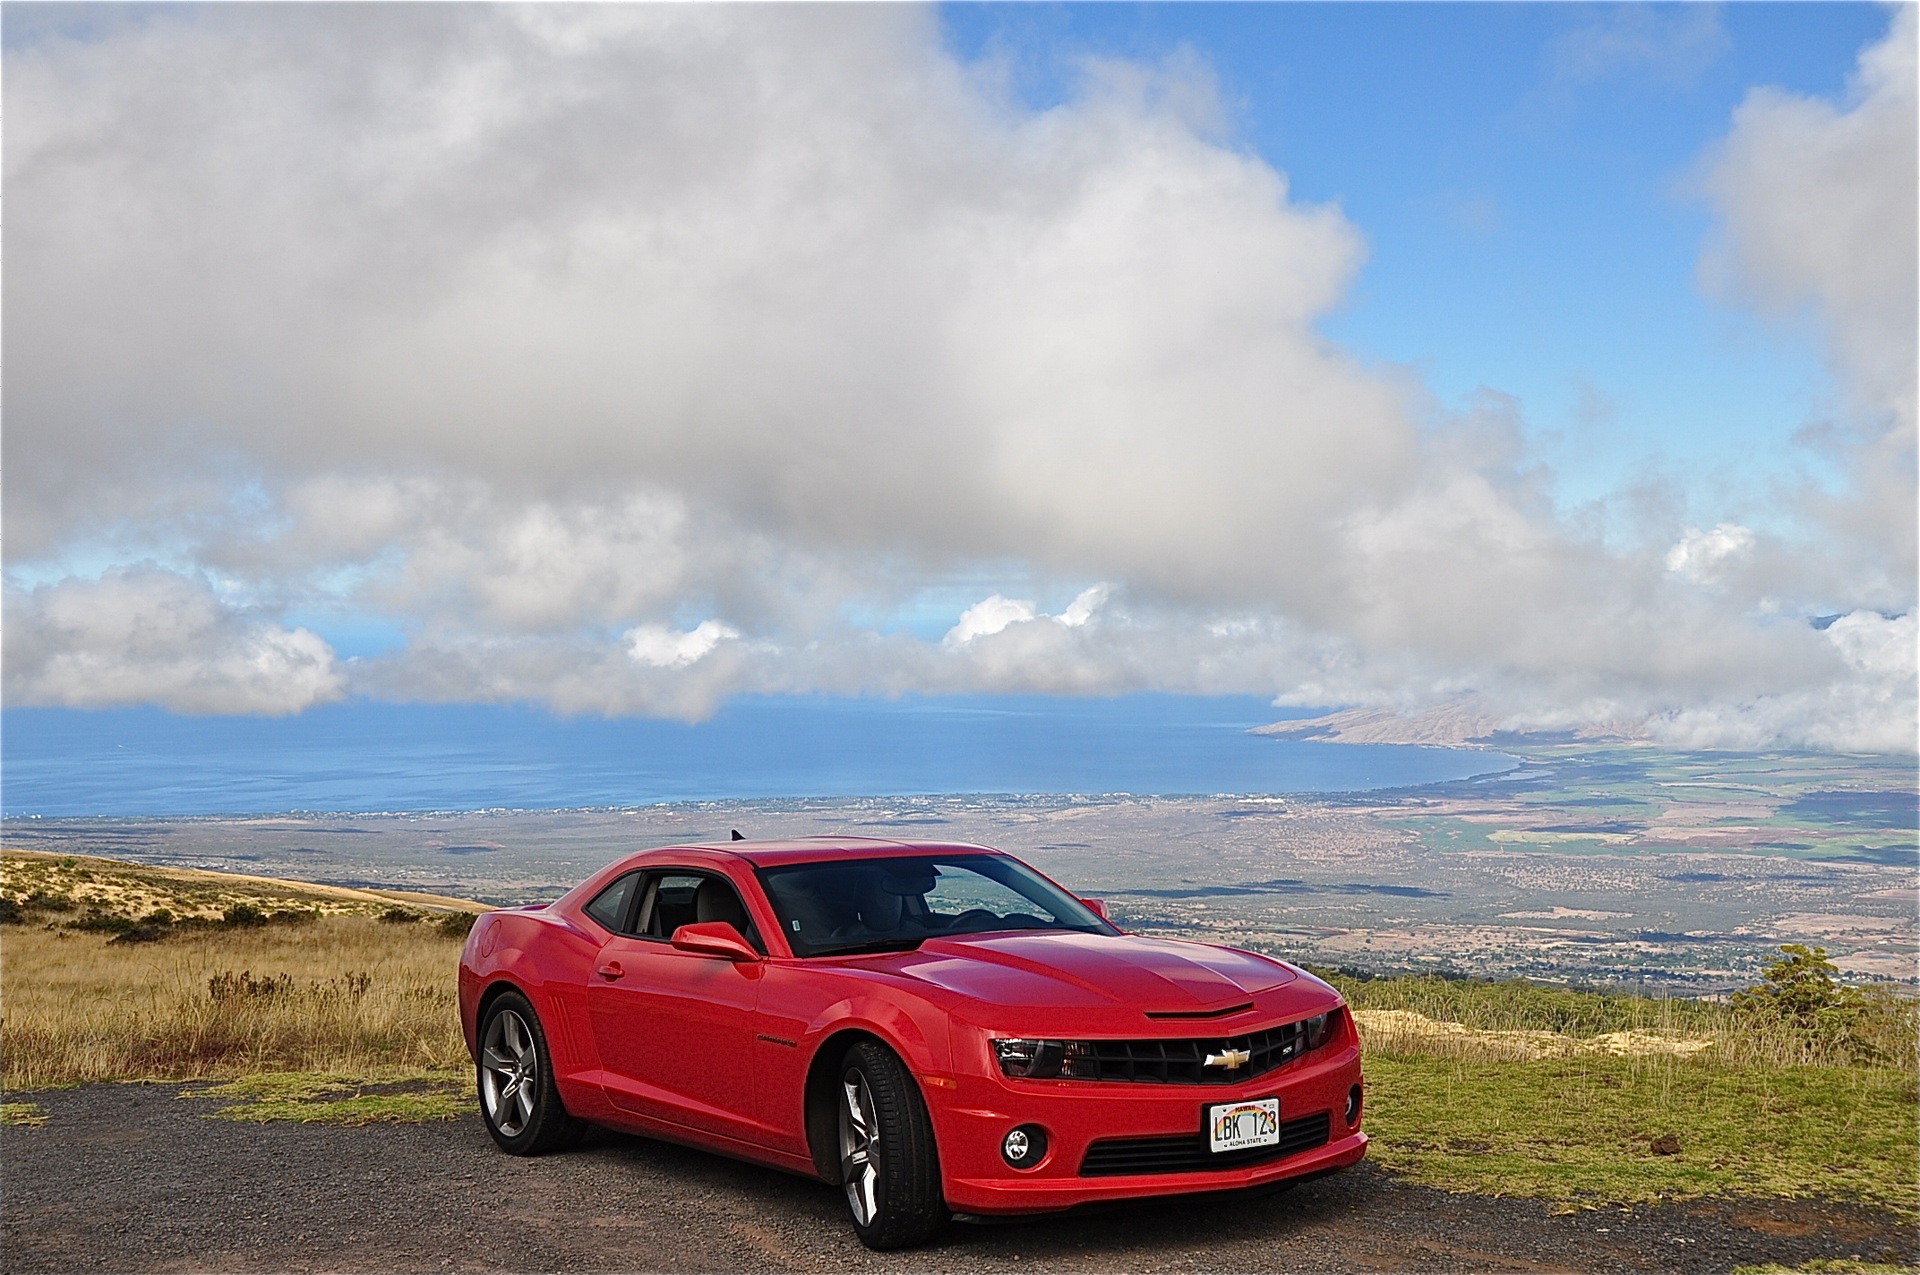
[(662, 647), (1700, 555), (994, 614), (541, 331), (1869, 711), (148, 636), (1816, 203), (988, 616)]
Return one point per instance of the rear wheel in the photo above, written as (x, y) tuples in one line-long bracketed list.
[(889, 1165), (514, 1074)]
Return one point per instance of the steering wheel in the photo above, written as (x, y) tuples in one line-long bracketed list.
[(971, 917)]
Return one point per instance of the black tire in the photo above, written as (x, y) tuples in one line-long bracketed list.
[(514, 1080), (890, 1169)]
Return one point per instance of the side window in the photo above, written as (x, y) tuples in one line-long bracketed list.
[(672, 904), (683, 898), (610, 907)]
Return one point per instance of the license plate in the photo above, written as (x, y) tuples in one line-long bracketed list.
[(1235, 1126)]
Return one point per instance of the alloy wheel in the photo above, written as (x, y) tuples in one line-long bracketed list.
[(859, 1148), (509, 1073)]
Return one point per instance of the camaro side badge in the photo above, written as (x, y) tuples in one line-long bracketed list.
[(1231, 1059)]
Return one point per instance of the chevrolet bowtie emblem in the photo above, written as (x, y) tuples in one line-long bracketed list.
[(1231, 1059)]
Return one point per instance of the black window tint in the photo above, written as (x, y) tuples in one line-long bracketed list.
[(609, 907)]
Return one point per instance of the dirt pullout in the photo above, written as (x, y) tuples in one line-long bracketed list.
[(136, 1178)]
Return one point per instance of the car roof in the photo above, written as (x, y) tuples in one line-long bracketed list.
[(766, 854)]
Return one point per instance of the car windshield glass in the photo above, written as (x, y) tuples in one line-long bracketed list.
[(869, 905)]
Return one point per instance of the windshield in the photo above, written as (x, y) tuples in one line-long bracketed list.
[(875, 905)]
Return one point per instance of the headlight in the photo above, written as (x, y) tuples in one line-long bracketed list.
[(1030, 1059), (1314, 1030)]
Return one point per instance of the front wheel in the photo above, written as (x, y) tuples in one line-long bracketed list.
[(889, 1165), (518, 1098)]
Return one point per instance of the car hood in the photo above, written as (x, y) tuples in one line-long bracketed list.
[(1061, 970)]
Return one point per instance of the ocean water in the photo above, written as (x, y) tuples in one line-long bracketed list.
[(364, 756)]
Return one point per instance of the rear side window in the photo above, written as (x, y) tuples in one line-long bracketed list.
[(612, 905)]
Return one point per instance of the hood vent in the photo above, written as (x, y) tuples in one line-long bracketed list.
[(1199, 1013)]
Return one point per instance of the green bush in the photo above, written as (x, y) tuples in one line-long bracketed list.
[(99, 921), (454, 925), (1799, 994)]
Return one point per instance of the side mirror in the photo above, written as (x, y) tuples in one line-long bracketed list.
[(1098, 907), (713, 938)]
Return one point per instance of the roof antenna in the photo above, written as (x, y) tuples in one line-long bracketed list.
[(736, 835)]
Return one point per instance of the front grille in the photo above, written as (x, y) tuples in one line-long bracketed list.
[(1187, 1153), (1181, 1062)]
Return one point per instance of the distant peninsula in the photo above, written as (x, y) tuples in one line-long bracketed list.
[(1459, 723)]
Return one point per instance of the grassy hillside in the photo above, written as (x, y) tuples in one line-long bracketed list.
[(116, 971), (316, 1003)]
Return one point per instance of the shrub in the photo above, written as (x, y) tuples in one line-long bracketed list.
[(454, 925), (10, 913), (228, 986), (102, 922), (1799, 993), (399, 916), (243, 916)]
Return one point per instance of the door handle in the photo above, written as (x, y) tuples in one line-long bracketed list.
[(610, 971)]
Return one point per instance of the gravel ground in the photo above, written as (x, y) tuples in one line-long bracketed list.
[(135, 1178)]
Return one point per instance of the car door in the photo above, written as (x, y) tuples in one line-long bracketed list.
[(676, 1029)]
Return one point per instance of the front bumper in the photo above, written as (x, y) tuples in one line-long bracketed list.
[(973, 1118)]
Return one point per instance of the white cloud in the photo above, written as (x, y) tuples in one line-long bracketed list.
[(1817, 218), (989, 615), (1817, 204), (150, 636), (535, 329), (1870, 711), (1700, 555), (993, 614), (1085, 605), (662, 647)]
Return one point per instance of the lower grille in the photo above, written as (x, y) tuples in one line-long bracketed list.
[(1187, 1153)]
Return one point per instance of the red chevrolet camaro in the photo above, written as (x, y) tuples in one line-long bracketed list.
[(937, 1029)]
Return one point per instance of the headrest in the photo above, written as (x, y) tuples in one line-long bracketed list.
[(716, 901)]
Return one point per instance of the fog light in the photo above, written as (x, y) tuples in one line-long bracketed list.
[(1025, 1147), (1353, 1107)]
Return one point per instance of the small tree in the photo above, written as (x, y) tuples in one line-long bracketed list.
[(1799, 988), (1798, 992)]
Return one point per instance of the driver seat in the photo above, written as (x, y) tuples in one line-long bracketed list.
[(715, 900)]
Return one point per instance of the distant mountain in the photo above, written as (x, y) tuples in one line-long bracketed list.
[(1464, 722)]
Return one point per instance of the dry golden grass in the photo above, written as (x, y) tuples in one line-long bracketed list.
[(82, 883), (1403, 1031), (340, 994)]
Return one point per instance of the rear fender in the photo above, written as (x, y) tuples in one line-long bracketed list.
[(548, 960)]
